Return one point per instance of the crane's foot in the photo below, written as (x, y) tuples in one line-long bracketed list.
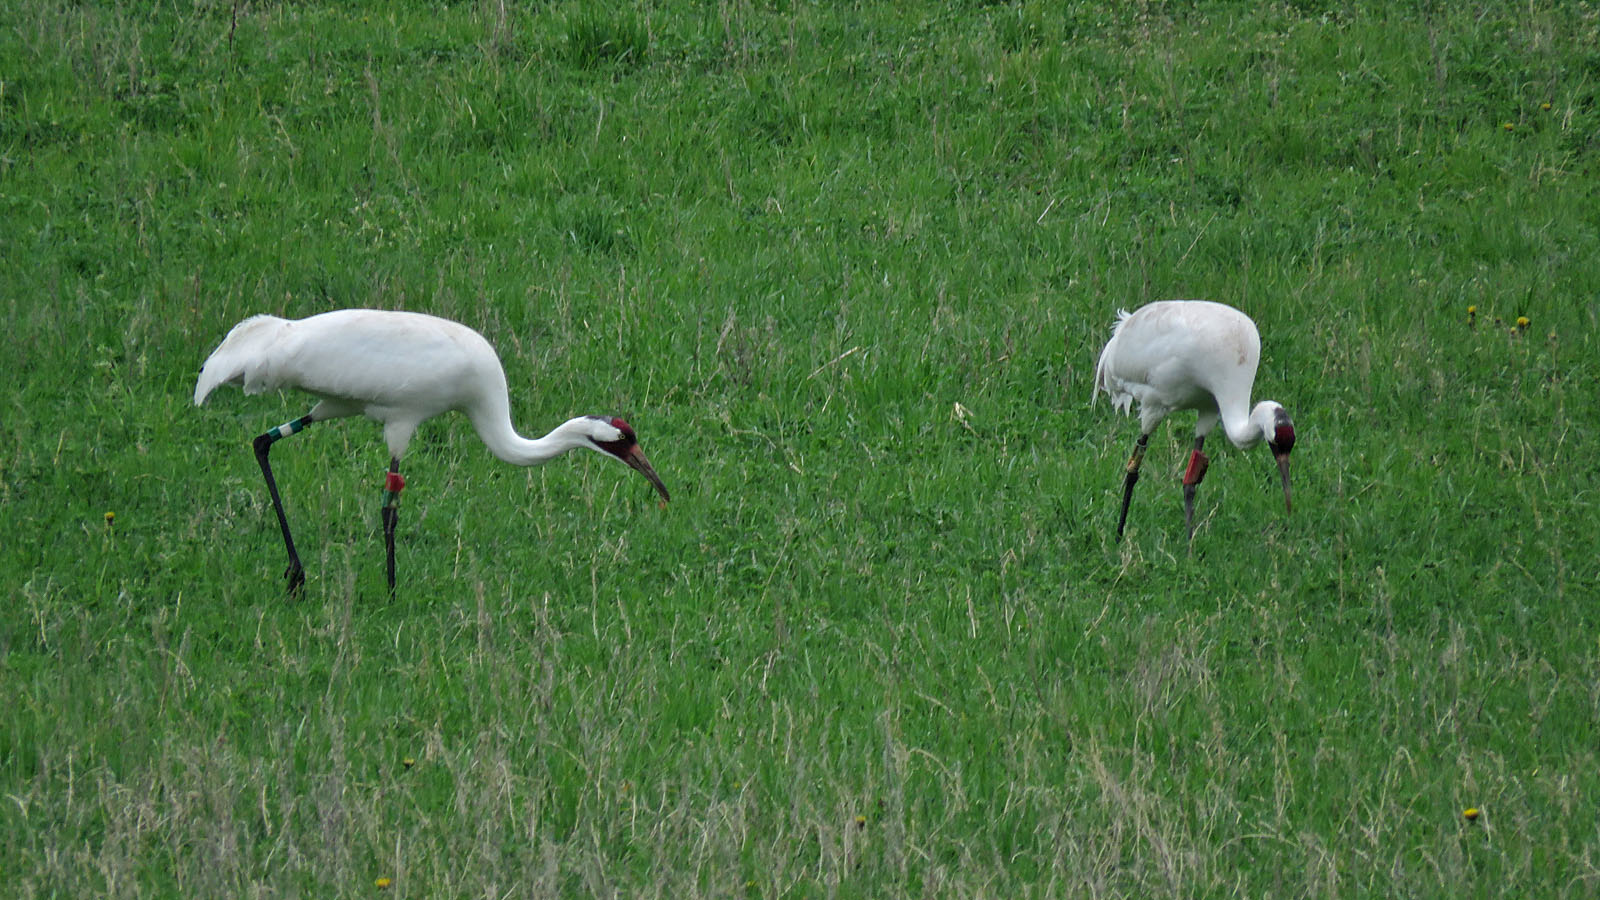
[(297, 579)]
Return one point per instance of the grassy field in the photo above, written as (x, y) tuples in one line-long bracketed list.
[(846, 268)]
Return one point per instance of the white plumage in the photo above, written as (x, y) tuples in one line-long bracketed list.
[(1191, 354), (399, 368)]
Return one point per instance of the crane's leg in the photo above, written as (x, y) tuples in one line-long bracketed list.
[(393, 483), (296, 574), (1192, 477), (1131, 479)]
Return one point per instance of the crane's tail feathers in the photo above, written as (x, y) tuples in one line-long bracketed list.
[(1099, 380), (1122, 316), (1102, 375), (241, 358)]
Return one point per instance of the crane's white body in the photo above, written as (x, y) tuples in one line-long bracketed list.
[(1191, 354), (399, 368), (1187, 354)]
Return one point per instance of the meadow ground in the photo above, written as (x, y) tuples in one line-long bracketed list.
[(846, 268)]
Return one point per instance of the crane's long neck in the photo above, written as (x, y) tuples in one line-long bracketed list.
[(1241, 429), (493, 424), (1248, 426)]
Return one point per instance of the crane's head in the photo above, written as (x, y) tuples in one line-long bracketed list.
[(614, 437), (1275, 424)]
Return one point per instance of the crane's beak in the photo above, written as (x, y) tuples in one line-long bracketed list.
[(1283, 469), (635, 460)]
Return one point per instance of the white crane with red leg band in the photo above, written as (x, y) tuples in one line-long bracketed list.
[(399, 368), (1191, 354)]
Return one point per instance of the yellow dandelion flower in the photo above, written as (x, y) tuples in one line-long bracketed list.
[(1545, 106), (1472, 310), (1522, 322), (111, 517), (1508, 126), (383, 883), (408, 762), (861, 821), (1470, 813)]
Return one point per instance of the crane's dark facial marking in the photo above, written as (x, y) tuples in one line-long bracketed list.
[(619, 447), (626, 448), (1282, 442), (1282, 434)]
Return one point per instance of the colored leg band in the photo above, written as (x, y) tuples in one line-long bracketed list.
[(1197, 468), (394, 483), (1137, 458), (288, 428)]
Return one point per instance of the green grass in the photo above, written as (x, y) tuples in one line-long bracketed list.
[(847, 269)]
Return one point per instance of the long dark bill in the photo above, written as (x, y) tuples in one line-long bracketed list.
[(636, 460), (1283, 469)]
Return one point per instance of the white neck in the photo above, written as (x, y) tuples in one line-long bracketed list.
[(495, 428), (1246, 430)]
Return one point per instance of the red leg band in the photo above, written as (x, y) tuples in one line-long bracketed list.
[(1197, 468), (394, 483)]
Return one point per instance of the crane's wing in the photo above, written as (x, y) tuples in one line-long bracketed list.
[(1179, 354)]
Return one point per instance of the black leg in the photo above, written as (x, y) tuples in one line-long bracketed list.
[(392, 486), (296, 574), (1192, 477), (1131, 479)]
